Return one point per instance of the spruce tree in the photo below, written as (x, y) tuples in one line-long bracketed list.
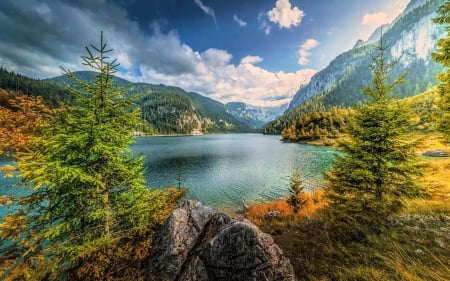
[(377, 169), (295, 191), (442, 56), (89, 215)]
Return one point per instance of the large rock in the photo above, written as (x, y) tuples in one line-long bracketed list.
[(199, 243)]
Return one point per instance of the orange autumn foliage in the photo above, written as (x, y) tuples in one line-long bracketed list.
[(314, 201), (21, 117)]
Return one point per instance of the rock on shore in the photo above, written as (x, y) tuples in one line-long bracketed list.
[(199, 243)]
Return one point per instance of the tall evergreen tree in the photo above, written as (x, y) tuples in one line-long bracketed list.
[(442, 56), (377, 170), (89, 215)]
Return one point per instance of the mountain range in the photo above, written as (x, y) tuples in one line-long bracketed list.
[(166, 110), (410, 38)]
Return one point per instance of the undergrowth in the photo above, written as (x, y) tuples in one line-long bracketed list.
[(415, 247)]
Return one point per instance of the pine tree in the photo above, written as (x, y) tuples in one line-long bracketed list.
[(89, 215), (442, 55), (377, 170), (295, 191)]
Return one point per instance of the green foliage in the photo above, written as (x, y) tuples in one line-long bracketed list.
[(89, 215), (442, 56), (378, 169), (317, 125), (277, 126), (52, 93), (296, 189)]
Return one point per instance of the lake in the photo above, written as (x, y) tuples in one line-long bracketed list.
[(226, 171)]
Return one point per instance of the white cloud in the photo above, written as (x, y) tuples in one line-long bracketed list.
[(304, 51), (375, 19), (239, 21), (216, 57), (251, 60), (284, 15), (208, 10), (60, 32)]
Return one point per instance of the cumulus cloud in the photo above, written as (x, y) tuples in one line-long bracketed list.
[(38, 37), (239, 21), (375, 19), (251, 60), (305, 50), (284, 15), (208, 10)]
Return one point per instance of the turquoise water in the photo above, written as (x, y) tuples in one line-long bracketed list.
[(226, 171), (223, 171)]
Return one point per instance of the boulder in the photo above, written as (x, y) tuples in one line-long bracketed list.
[(437, 153), (198, 243)]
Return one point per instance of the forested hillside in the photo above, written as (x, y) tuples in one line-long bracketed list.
[(165, 110)]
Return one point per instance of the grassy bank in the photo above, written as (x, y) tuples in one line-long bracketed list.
[(416, 245)]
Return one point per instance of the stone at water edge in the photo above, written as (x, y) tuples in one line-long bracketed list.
[(437, 153), (199, 243)]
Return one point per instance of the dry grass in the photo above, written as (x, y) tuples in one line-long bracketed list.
[(314, 201), (436, 180), (428, 142)]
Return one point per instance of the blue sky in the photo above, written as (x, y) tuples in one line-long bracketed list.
[(255, 51)]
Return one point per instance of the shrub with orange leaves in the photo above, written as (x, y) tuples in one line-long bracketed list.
[(313, 202), (20, 120)]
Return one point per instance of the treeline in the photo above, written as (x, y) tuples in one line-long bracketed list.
[(51, 92), (318, 125), (325, 124)]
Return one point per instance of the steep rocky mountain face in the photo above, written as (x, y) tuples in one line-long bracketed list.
[(255, 117), (411, 39), (170, 110)]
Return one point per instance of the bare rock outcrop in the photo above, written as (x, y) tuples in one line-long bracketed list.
[(201, 244)]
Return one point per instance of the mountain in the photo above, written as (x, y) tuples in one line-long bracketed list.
[(411, 38), (255, 117), (168, 110)]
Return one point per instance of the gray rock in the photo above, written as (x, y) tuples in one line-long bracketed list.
[(437, 153), (271, 215), (201, 244)]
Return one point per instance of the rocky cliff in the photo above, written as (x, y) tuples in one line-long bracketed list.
[(201, 244), (411, 38)]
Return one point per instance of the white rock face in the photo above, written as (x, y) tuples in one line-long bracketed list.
[(417, 42)]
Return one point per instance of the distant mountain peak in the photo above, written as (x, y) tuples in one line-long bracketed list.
[(358, 43)]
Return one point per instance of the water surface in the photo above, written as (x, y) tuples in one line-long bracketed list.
[(223, 171), (226, 171)]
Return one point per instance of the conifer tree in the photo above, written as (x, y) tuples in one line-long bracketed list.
[(89, 215), (377, 170), (442, 56), (295, 191)]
